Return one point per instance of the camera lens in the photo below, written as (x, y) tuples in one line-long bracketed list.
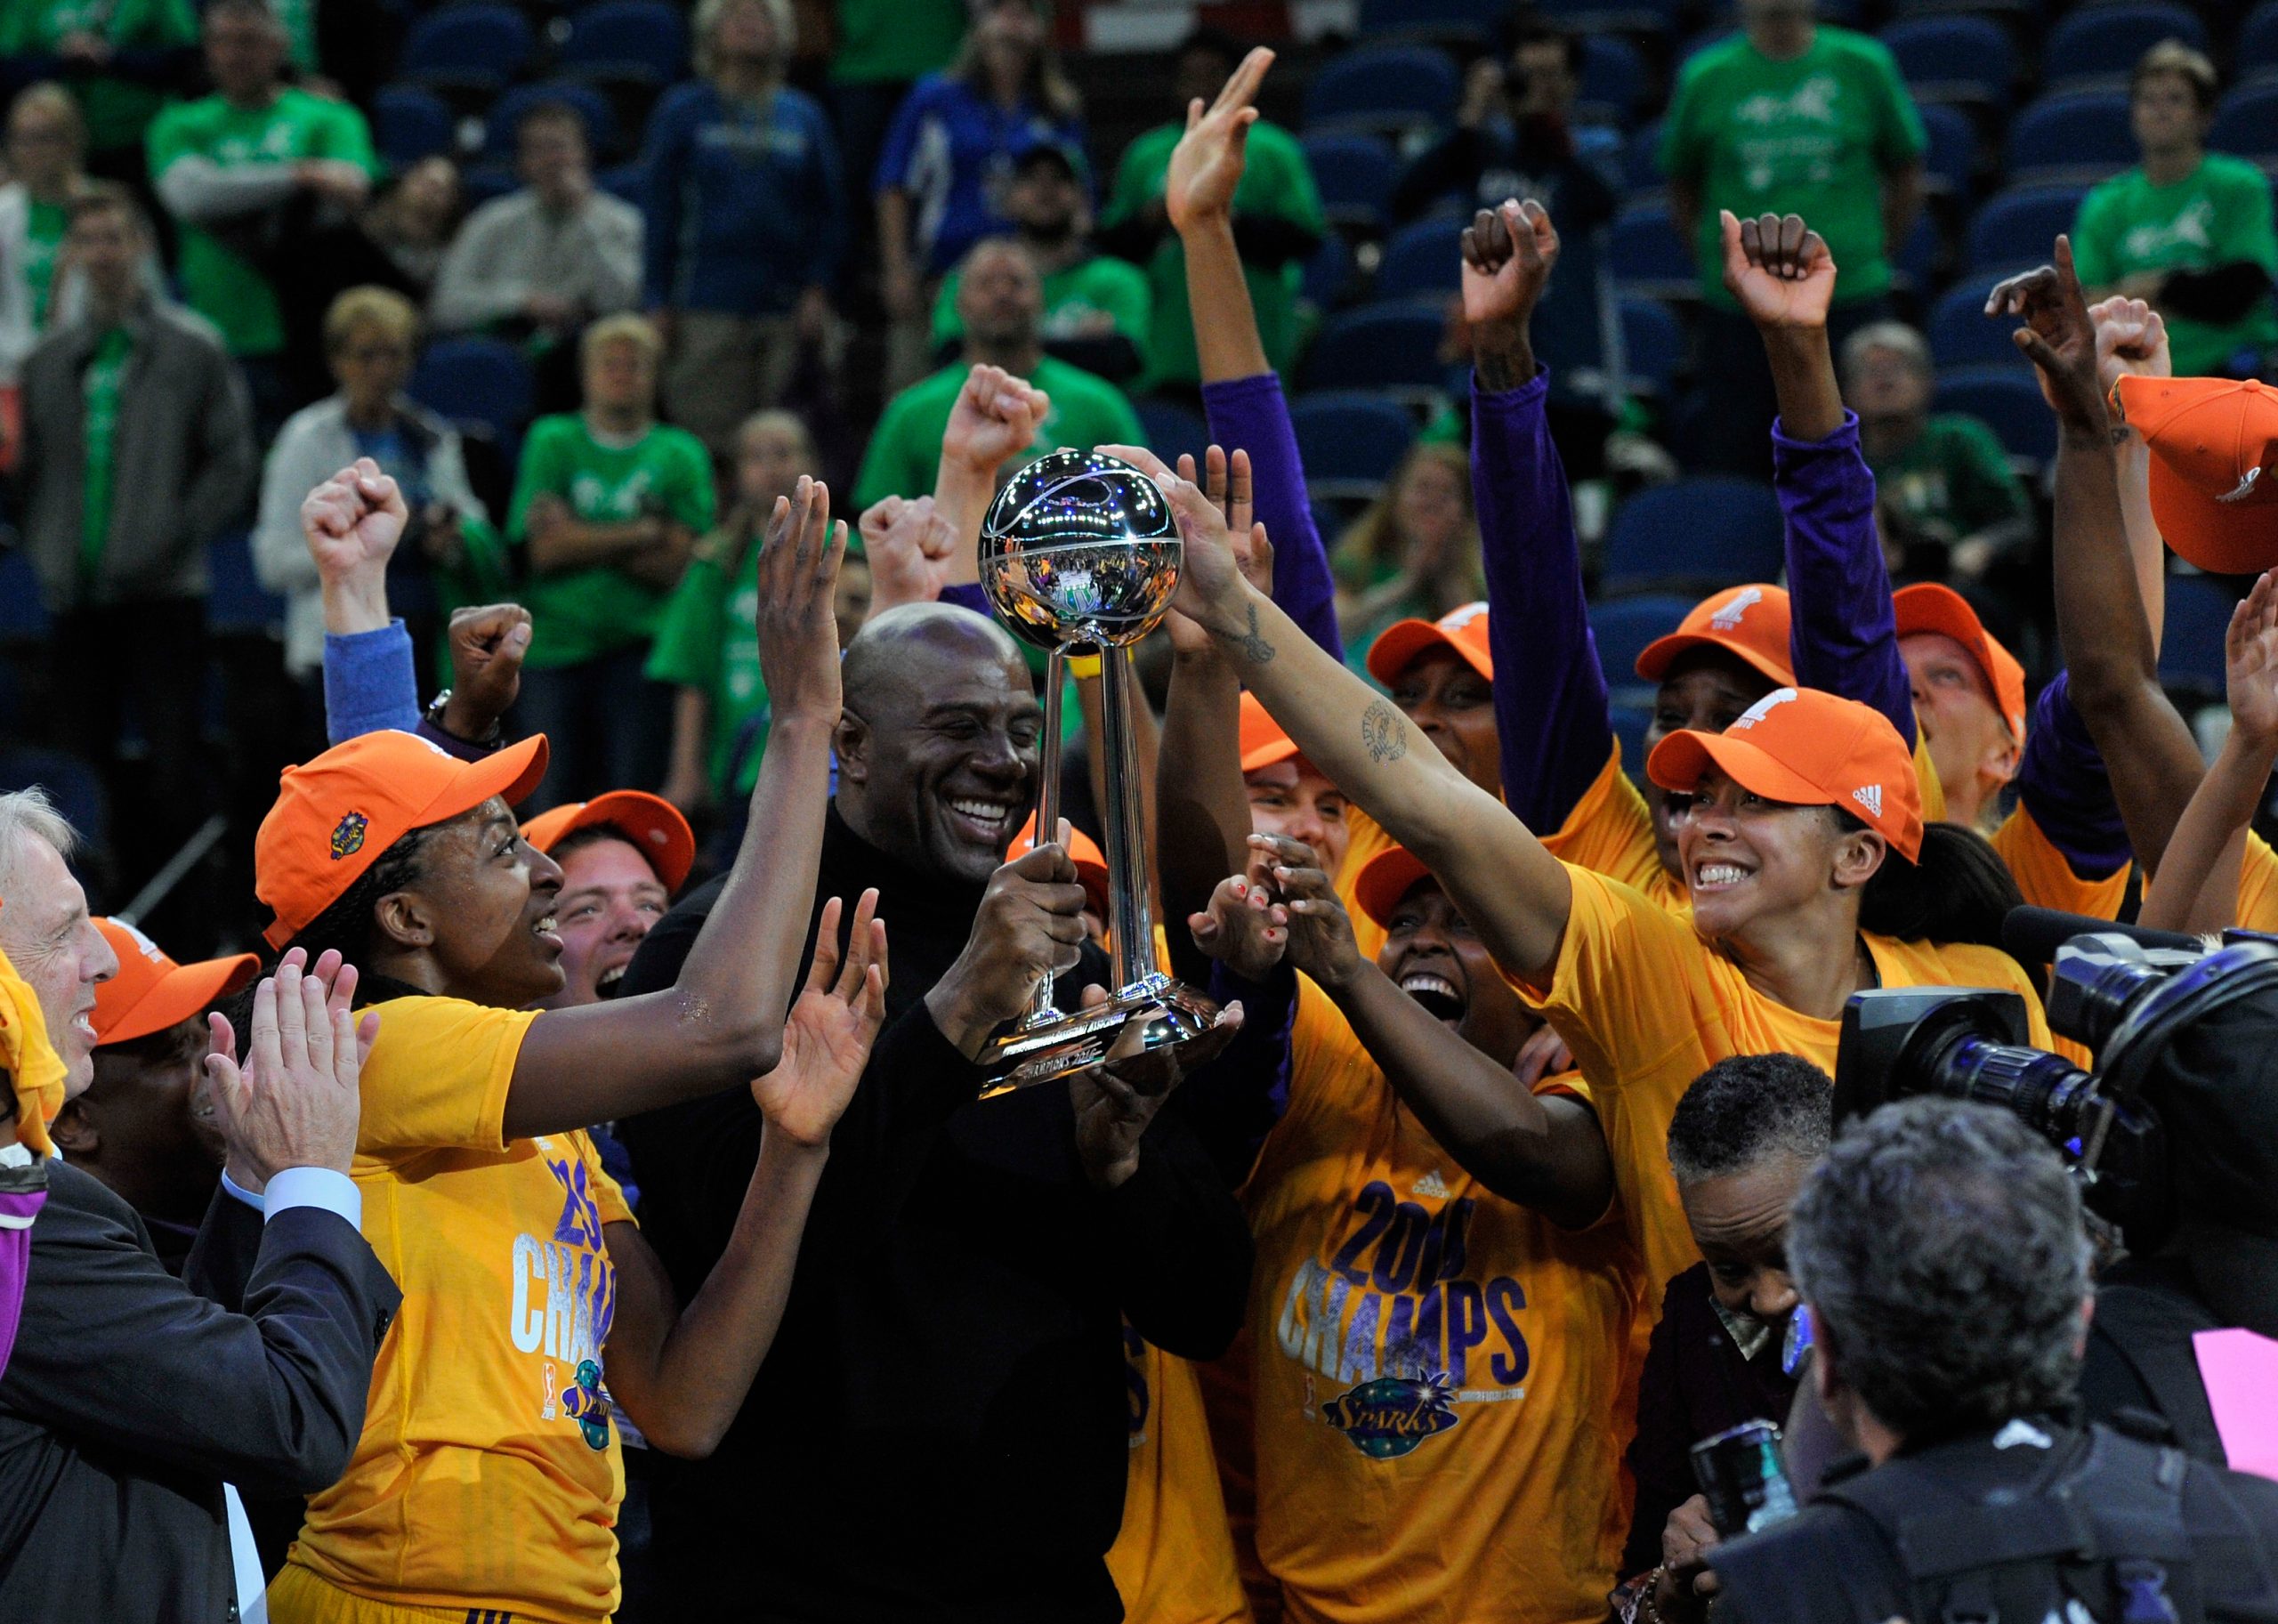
[(2089, 993), (2047, 1092)]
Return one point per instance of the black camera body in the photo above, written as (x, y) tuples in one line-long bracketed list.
[(2121, 995)]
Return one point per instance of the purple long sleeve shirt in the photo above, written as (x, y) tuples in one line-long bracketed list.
[(1252, 415)]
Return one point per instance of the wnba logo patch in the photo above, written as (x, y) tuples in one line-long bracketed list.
[(1389, 1417), (348, 835)]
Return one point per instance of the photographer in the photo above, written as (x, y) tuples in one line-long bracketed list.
[(1941, 1250)]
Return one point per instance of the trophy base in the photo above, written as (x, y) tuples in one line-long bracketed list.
[(1061, 1044)]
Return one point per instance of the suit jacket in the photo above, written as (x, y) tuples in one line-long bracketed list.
[(132, 1397)]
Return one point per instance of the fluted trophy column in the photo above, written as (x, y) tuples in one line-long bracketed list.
[(1080, 553)]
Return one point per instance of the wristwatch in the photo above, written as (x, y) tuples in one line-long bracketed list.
[(490, 740)]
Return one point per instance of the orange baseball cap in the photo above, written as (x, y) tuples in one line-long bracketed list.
[(651, 824), (1807, 748), (2214, 467), (1928, 607), (335, 815), (151, 992), (1384, 878), (1748, 621), (1091, 862), (1464, 630), (1264, 743)]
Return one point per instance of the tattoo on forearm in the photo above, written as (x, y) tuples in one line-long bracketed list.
[(1383, 732), (1255, 648)]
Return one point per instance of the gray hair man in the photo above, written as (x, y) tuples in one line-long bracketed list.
[(1940, 1248), (133, 1401)]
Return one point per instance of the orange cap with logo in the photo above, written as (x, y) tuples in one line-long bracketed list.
[(651, 824), (1464, 630), (2214, 467), (1928, 607), (1082, 851), (1384, 879), (1750, 622), (335, 815), (1807, 748), (151, 992)]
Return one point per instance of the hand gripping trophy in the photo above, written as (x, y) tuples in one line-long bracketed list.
[(1081, 554)]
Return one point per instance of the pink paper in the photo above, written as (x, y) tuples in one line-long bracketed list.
[(2240, 1372)]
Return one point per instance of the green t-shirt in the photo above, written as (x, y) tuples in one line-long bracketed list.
[(1074, 299), (43, 236), (1811, 136), (885, 42), (709, 640), (100, 382), (906, 447), (582, 614), (1276, 181), (118, 110), (2216, 215), (220, 282), (1953, 481)]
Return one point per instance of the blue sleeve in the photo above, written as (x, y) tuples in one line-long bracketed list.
[(370, 684), (1550, 696), (1843, 635), (824, 190), (901, 138), (665, 166), (2062, 783), (1252, 415)]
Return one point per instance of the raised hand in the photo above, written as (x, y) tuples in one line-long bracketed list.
[(1225, 481), (2131, 342), (1116, 1099), (1243, 926), (488, 643), (909, 544), (828, 1035), (1207, 165), (798, 583), (2058, 337), (2250, 664), (294, 1102), (1212, 588), (994, 417), (1321, 931), (1779, 270), (352, 523), (1508, 254)]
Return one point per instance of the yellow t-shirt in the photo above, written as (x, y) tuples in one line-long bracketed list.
[(1173, 1561), (489, 1473), (2257, 887), (2045, 875), (1647, 1005), (1435, 1370), (1364, 837)]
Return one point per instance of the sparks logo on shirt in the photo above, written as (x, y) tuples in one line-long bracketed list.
[(565, 1298), (1391, 1315)]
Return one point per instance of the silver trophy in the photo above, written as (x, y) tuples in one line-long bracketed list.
[(1080, 553)]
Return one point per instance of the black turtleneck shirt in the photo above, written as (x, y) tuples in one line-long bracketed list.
[(939, 1430)]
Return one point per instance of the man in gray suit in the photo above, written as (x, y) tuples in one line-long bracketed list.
[(133, 1401)]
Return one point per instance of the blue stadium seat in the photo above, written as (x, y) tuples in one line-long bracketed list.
[(1613, 77), (409, 122), (1641, 159), (1710, 531), (1424, 258), (1355, 174), (1954, 59), (2008, 400), (1950, 166), (475, 380), (2081, 135), (75, 787), (1469, 21), (2257, 50), (1328, 272), (1622, 627), (2017, 229), (1653, 344), (1379, 346), (1172, 428), (475, 47), (1349, 441), (1962, 334), (1921, 257), (1645, 18), (591, 108), (480, 183), (236, 601), (644, 40), (629, 181), (1647, 256), (2098, 44), (1630, 722), (23, 618), (2246, 123), (2190, 650), (1382, 88)]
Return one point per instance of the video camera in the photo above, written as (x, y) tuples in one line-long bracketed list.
[(2119, 993)]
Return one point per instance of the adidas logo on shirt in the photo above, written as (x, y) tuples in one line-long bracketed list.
[(1432, 1187), (1870, 796)]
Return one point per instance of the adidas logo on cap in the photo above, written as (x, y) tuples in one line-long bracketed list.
[(1729, 617), (1870, 796)]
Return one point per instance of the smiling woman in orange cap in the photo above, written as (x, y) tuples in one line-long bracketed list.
[(488, 1473), (1802, 844)]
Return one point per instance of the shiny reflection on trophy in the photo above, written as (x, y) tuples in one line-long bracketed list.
[(1080, 553)]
